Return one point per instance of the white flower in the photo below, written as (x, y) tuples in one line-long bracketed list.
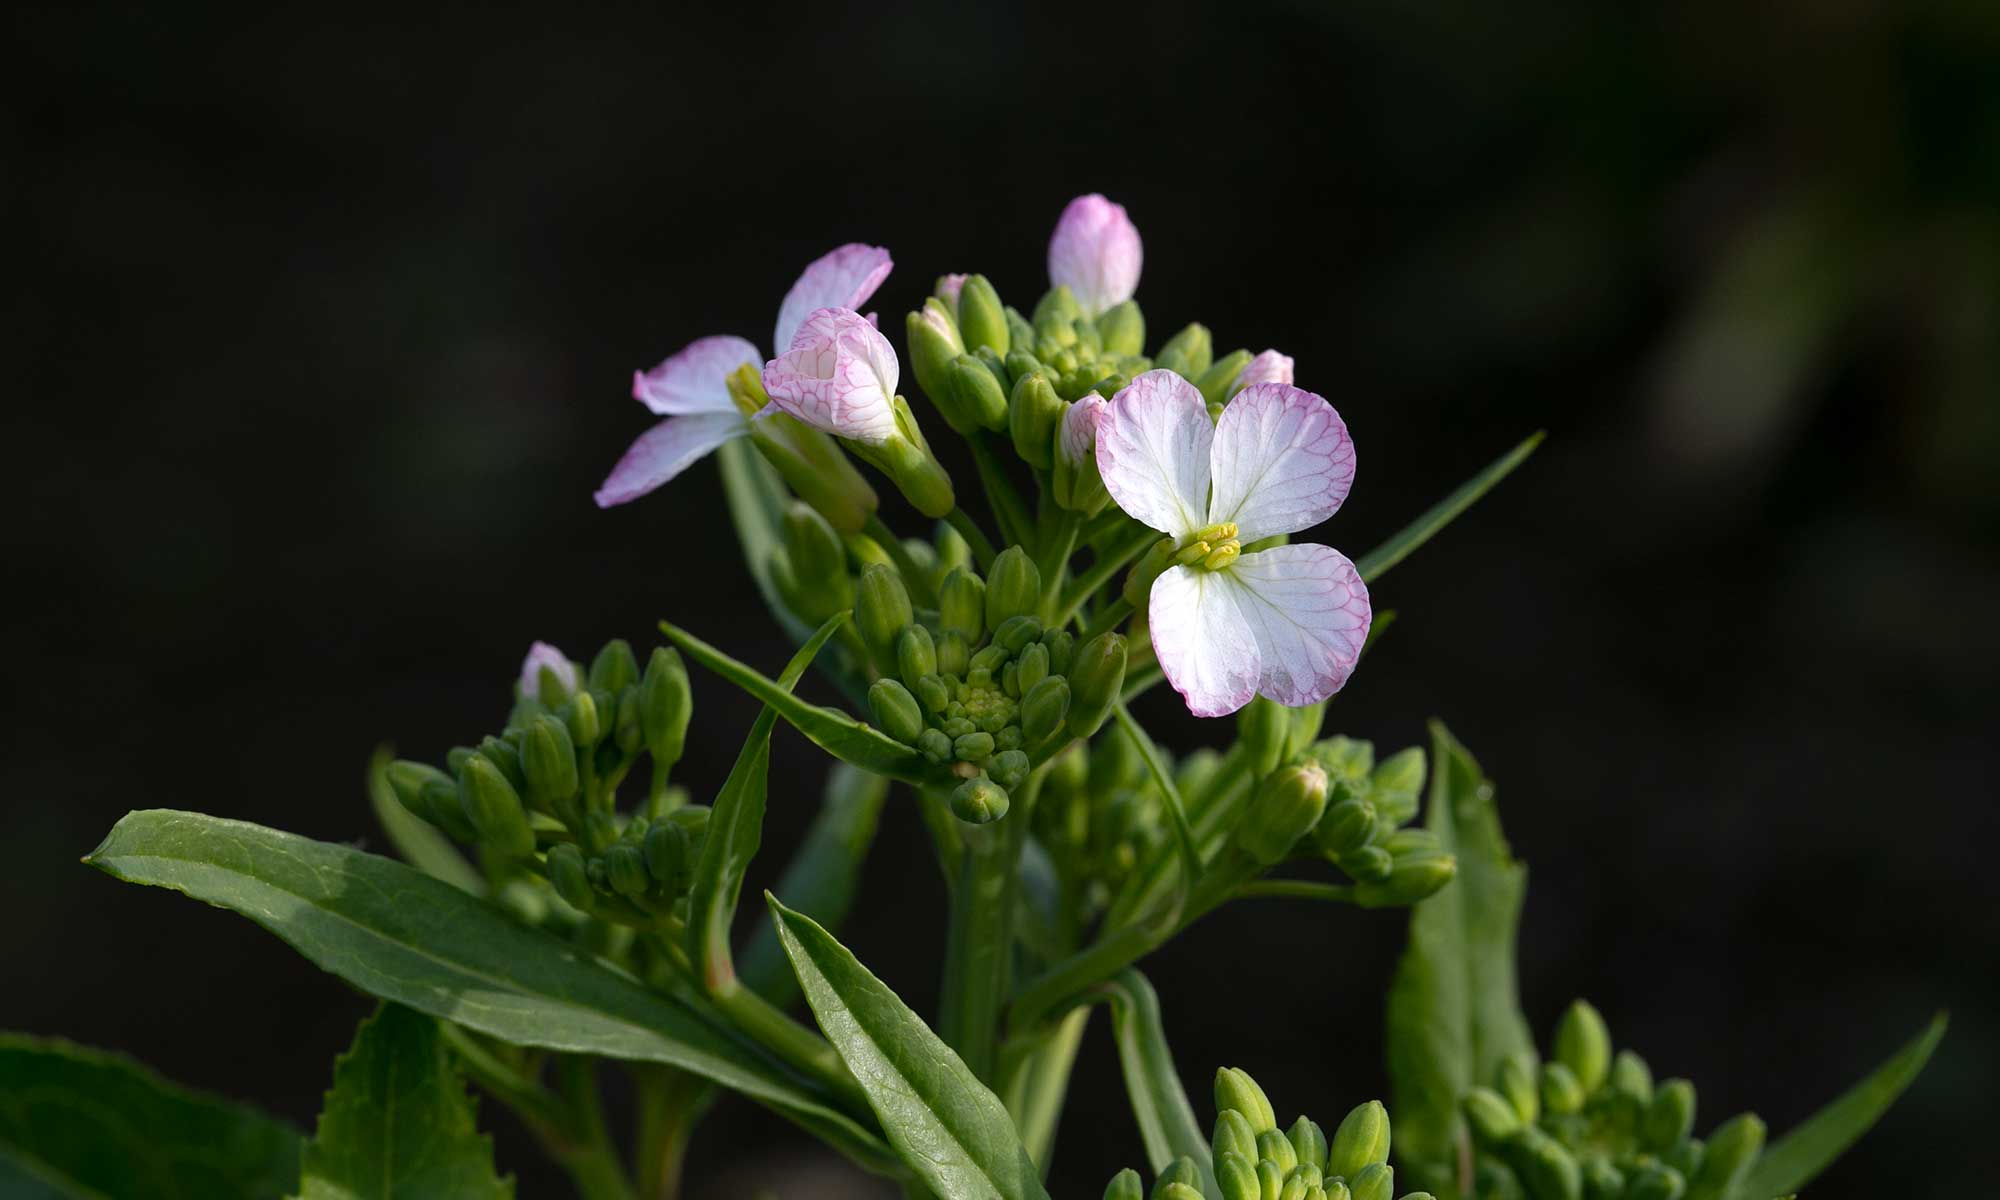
[(1287, 622), (1095, 252), (839, 375)]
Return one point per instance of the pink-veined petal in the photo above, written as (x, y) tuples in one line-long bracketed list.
[(1078, 439), (1308, 610), (841, 278), (839, 375), (1282, 461), (695, 379), (1205, 646), (1268, 367), (666, 450), (542, 655), (1095, 252), (1153, 452)]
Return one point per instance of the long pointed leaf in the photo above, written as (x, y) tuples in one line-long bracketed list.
[(1167, 1124), (1454, 1007), (1795, 1160), (400, 935), (1376, 562), (756, 502), (950, 1130)]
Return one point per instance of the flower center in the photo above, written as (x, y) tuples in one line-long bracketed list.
[(1211, 548)]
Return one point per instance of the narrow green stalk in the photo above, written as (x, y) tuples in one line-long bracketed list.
[(1104, 524), (537, 1106), (1097, 574), (1052, 560), (1038, 1083), (1138, 684), (592, 1160), (785, 1037), (670, 1104), (979, 945), (919, 583), (1295, 889), (1008, 507), (975, 537), (1108, 620)]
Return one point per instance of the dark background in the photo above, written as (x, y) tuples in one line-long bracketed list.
[(319, 334)]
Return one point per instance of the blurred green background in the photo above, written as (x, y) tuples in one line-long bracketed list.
[(319, 332)]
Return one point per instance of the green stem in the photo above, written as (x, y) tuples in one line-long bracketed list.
[(1295, 889), (919, 583), (975, 537), (1008, 507), (1103, 524), (776, 1031), (1038, 1083), (592, 1161), (1056, 545), (537, 1106), (1108, 620), (1097, 575), (979, 945), (670, 1104)]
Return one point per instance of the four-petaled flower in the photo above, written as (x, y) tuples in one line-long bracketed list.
[(1095, 252), (1289, 621), (691, 390), (839, 375)]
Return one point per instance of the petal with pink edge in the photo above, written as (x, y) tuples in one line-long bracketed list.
[(841, 278), (696, 379), (1308, 611), (1095, 252), (1268, 367), (1077, 441), (1153, 452), (840, 376), (542, 656), (1282, 461), (666, 450), (1206, 648)]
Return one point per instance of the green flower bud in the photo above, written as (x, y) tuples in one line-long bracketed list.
[(1270, 1180), (1516, 1080), (973, 747), (454, 758), (1369, 864), (1182, 1171), (1376, 1181), (1632, 1079), (1044, 709), (548, 759), (932, 693), (1176, 1190), (1583, 1045), (1402, 771), (494, 808), (1187, 353), (1263, 728), (982, 319), (600, 829), (896, 711), (809, 461), (1287, 805), (916, 655), (881, 612), (1655, 1181), (1013, 587), (1056, 309), (1122, 329), (1346, 826), (978, 801), (1362, 1139), (407, 779), (504, 755), (1296, 1186), (906, 458), (1151, 565), (580, 714), (1602, 1181), (626, 866), (1009, 768), (1494, 1180), (1034, 660), (615, 668), (1547, 1170), (572, 883), (934, 345), (1236, 1177), (1730, 1153), (1670, 1117), (1033, 414), (1493, 1120), (441, 807), (935, 744), (962, 608), (1277, 1148), (1686, 1157), (1561, 1093), (1016, 634), (1216, 382), (1412, 877), (1096, 678), (666, 852), (665, 705), (980, 395), (628, 727), (1125, 1185), (1233, 1133), (1235, 1089)]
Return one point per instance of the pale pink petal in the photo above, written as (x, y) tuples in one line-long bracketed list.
[(1268, 367), (1282, 461), (841, 278), (1205, 647), (695, 379), (1153, 451), (666, 450), (948, 288), (542, 655), (839, 375), (1308, 610), (1078, 440), (1095, 251)]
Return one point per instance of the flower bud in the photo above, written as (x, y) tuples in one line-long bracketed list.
[(548, 760), (881, 612), (1287, 805), (615, 668), (1631, 1079), (982, 319), (1013, 587), (896, 711), (506, 756), (1055, 314), (809, 460), (934, 345), (1174, 1189), (494, 808), (1583, 1044), (1187, 353), (1362, 1139), (1233, 1133), (1369, 864), (1412, 877), (572, 882), (1096, 679), (1033, 415), (979, 393), (1547, 1170), (1009, 768), (1655, 1181), (586, 729), (973, 747), (978, 801), (1686, 1157), (1602, 1181), (408, 780), (548, 675), (1122, 329), (1402, 771), (1670, 1117), (1078, 485), (666, 852), (1034, 664), (1346, 826), (1151, 565), (1182, 1171), (818, 559), (1275, 1147), (600, 829), (628, 727), (936, 745), (1235, 1089), (1270, 1180), (1561, 1093), (961, 611), (1515, 1079), (441, 807), (1376, 1181), (1263, 728), (1493, 1120), (1731, 1151), (1217, 383), (916, 655), (1125, 1185), (1235, 1176), (626, 866), (1043, 710), (665, 705)]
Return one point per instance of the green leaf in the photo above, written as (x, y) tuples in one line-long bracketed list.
[(822, 877), (736, 830), (1167, 1123), (1796, 1159), (1454, 1006), (1376, 562), (400, 935), (87, 1123), (829, 728), (950, 1130), (756, 499), (398, 1124), (419, 842)]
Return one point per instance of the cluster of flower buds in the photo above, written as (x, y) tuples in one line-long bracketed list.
[(1362, 829), (988, 690), (1588, 1125), (549, 780), (1253, 1159), (1101, 814)]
